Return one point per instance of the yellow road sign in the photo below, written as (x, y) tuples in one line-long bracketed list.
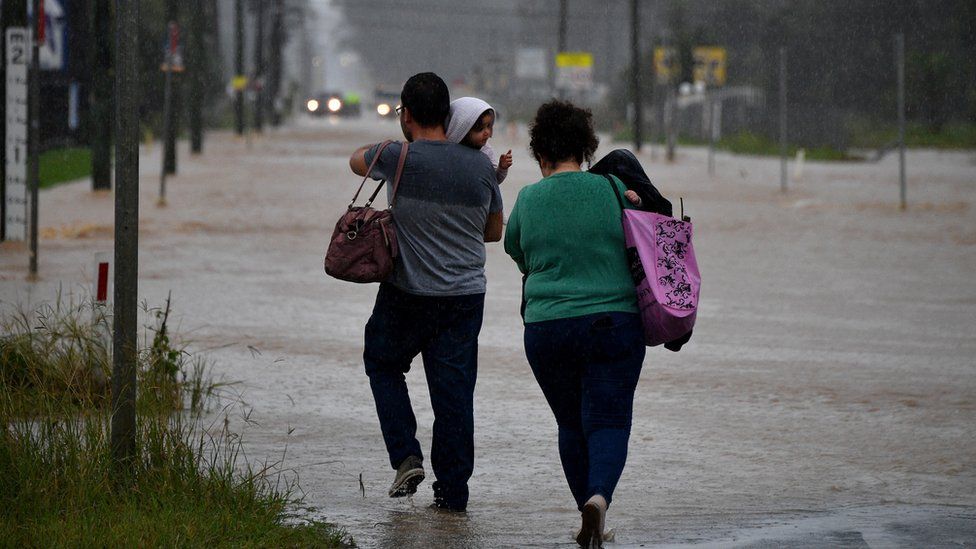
[(576, 59), (239, 83), (710, 65), (666, 65)]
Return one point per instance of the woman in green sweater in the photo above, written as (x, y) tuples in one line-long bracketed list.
[(583, 335)]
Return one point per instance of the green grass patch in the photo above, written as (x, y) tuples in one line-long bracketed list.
[(957, 135), (61, 165), (189, 484), (753, 144)]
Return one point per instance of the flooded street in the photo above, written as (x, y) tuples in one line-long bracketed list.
[(828, 396)]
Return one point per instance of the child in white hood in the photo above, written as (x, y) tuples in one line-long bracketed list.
[(471, 123)]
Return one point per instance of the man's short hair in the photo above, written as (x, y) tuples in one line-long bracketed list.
[(425, 95)]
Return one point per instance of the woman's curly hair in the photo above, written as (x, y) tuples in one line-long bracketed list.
[(562, 131)]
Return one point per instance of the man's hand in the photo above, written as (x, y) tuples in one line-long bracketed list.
[(505, 160), (357, 162), (493, 229)]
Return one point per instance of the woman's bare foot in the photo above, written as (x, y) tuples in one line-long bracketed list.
[(594, 517)]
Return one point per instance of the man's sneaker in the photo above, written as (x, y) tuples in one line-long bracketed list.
[(409, 474)]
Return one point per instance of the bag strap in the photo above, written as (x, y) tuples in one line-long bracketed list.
[(396, 178), (369, 170), (616, 191)]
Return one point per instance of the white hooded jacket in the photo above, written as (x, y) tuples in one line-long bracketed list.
[(465, 112)]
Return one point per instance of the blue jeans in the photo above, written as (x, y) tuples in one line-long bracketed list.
[(444, 331), (588, 368)]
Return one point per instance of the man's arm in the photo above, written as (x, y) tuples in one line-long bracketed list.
[(493, 229), (357, 162)]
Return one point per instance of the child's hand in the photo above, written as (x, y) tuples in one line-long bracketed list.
[(633, 197), (505, 161)]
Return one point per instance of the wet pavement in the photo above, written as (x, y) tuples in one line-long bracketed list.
[(828, 397)]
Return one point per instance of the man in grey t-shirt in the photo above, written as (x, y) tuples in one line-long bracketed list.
[(446, 207)]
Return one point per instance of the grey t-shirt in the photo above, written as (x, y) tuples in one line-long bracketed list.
[(445, 195)]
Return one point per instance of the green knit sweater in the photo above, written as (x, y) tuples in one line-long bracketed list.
[(564, 232)]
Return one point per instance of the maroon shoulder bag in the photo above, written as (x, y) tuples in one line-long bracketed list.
[(364, 246)]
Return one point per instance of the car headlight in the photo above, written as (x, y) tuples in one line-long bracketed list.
[(313, 105), (334, 104), (383, 109)]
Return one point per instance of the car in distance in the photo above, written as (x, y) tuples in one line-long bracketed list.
[(386, 103), (334, 103)]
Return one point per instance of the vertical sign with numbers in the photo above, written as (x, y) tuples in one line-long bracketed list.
[(18, 57)]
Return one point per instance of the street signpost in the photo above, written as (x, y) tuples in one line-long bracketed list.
[(710, 65), (18, 56), (574, 71)]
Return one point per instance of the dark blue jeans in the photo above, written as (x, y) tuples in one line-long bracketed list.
[(588, 369), (444, 331)]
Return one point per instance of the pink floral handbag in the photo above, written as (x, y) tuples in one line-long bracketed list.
[(665, 272)]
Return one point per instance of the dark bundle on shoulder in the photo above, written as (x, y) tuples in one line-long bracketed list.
[(623, 164)]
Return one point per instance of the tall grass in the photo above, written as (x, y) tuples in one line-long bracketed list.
[(56, 356), (190, 484)]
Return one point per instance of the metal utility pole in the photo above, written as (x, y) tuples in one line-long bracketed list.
[(259, 66), (124, 349), (561, 44), (782, 120), (101, 94), (669, 107), (239, 67), (196, 57), (900, 62), (34, 95), (635, 73), (277, 45), (714, 112)]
